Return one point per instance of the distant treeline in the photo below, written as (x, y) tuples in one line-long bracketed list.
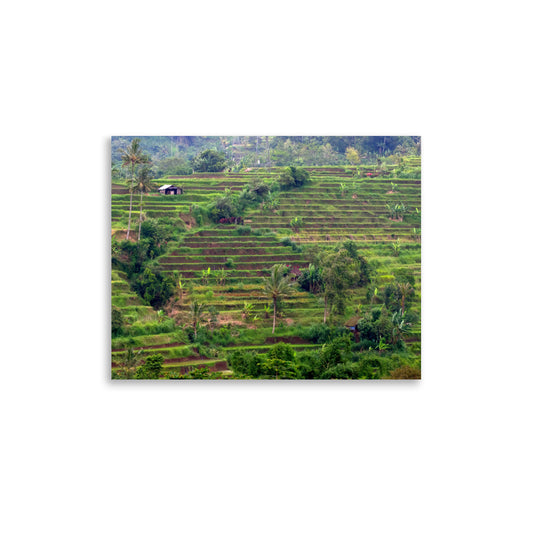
[(175, 154)]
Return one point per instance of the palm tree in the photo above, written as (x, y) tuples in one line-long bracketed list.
[(132, 156), (276, 287), (405, 290), (196, 314), (144, 184), (128, 362)]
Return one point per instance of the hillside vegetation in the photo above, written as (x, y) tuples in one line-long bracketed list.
[(271, 272)]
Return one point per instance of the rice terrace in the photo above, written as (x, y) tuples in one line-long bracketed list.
[(264, 257)]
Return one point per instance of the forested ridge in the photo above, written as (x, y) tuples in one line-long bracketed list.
[(266, 151)]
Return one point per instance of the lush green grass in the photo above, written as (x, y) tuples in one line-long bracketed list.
[(334, 206)]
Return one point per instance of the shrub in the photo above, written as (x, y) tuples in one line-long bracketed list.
[(278, 368), (229, 263), (244, 230), (371, 367), (200, 214), (307, 364), (223, 208), (258, 187), (246, 363), (154, 287), (321, 333), (342, 371), (405, 372), (336, 352), (365, 345), (293, 177), (151, 368), (409, 174), (157, 230), (117, 322), (281, 351)]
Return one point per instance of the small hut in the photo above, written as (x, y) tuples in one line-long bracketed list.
[(351, 324), (170, 189)]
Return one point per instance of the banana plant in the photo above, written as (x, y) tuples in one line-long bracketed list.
[(397, 211), (247, 309), (180, 287), (206, 274), (397, 246), (382, 345), (393, 210), (399, 326), (273, 203), (221, 276), (296, 223), (374, 296)]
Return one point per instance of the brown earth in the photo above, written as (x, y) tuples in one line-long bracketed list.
[(189, 220), (288, 340)]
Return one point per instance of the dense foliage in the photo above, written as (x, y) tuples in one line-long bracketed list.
[(209, 161), (173, 155)]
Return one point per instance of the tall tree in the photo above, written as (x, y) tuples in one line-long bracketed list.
[(405, 291), (132, 156), (276, 287), (144, 184), (352, 155), (340, 274)]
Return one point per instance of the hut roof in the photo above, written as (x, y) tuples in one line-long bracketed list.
[(352, 322), (163, 187)]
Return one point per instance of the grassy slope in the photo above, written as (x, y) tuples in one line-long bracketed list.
[(334, 207)]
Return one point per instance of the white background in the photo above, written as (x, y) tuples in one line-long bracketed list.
[(452, 453)]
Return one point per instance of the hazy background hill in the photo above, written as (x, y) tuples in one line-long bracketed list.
[(264, 151)]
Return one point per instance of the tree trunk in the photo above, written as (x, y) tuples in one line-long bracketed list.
[(274, 322), (129, 217), (325, 307), (140, 216), (131, 201)]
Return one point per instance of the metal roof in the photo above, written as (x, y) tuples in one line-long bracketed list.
[(163, 187)]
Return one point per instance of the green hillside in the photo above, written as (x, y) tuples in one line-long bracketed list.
[(371, 210)]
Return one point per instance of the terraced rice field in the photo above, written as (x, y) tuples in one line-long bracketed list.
[(334, 206)]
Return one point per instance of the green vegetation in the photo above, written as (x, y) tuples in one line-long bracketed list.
[(209, 161), (257, 271)]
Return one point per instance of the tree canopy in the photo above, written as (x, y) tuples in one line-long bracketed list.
[(209, 161)]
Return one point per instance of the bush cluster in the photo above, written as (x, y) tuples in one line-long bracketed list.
[(293, 177), (335, 360)]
